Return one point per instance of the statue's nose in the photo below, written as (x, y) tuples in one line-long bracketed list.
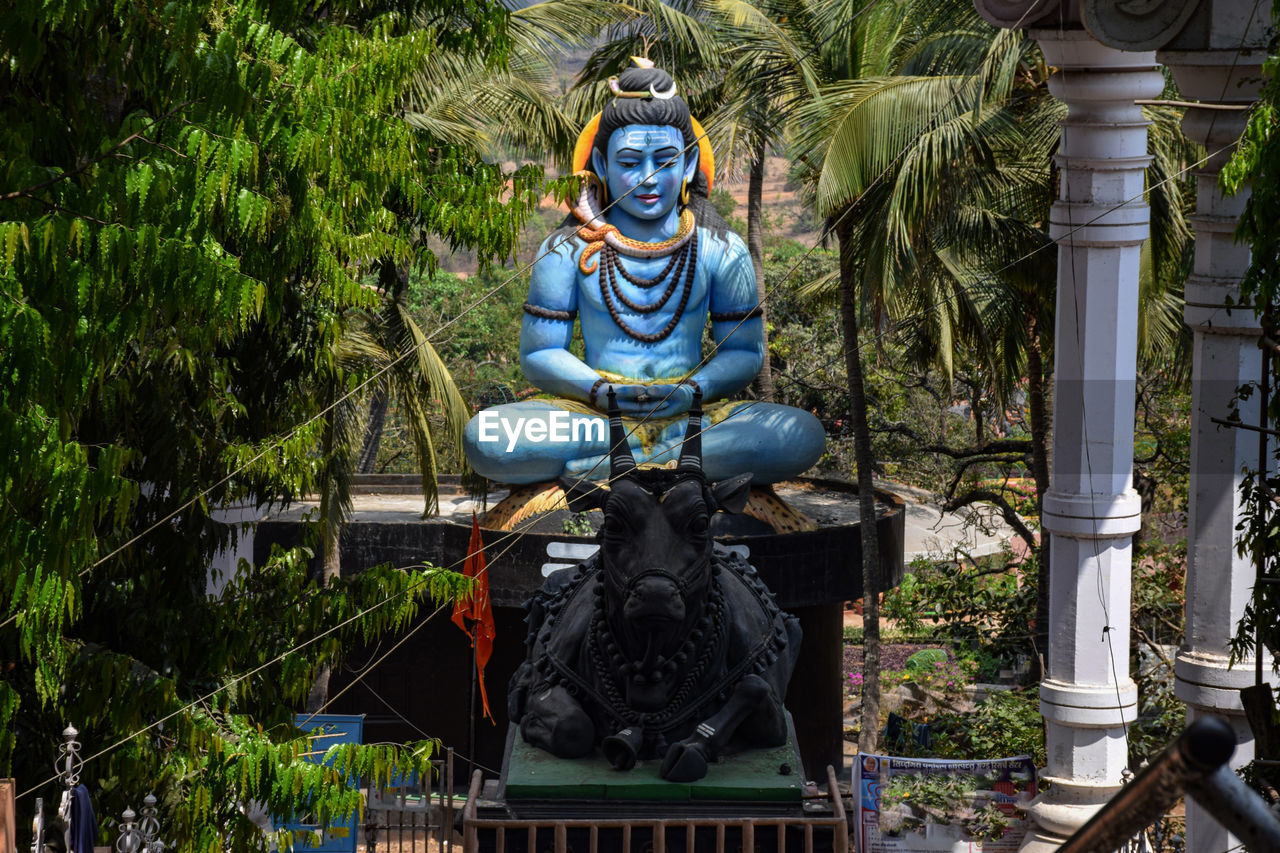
[(654, 598)]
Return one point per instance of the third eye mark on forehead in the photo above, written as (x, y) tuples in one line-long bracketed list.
[(648, 137)]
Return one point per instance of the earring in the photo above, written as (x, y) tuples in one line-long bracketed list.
[(684, 192)]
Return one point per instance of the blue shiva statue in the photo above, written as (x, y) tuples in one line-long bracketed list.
[(642, 277)]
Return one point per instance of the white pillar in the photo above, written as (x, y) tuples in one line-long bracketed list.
[(242, 520), (1091, 509), (1226, 355)]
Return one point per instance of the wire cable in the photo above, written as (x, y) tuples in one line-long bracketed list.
[(515, 535)]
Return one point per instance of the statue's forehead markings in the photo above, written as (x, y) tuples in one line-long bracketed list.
[(649, 136)]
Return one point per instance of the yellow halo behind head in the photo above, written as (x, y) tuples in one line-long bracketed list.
[(587, 140)]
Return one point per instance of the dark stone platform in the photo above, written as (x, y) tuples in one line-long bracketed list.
[(536, 783)]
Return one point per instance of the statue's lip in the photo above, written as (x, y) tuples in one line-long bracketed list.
[(648, 196)]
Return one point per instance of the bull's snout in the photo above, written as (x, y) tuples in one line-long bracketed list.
[(654, 599)]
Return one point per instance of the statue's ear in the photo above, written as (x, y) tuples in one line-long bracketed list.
[(691, 164), (731, 494), (599, 165), (581, 495)]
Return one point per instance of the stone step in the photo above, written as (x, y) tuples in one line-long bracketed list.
[(402, 484)]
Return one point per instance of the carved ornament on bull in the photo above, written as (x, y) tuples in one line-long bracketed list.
[(657, 647)]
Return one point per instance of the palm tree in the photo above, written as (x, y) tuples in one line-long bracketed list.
[(932, 158), (773, 68)]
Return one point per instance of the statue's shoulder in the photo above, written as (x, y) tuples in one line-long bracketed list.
[(557, 258), (721, 247)]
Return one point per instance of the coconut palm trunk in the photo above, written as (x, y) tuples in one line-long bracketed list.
[(377, 422), (1037, 399), (869, 726), (755, 245)]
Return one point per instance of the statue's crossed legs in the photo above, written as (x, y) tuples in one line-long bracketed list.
[(539, 440)]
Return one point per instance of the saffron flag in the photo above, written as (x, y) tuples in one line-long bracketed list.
[(478, 610)]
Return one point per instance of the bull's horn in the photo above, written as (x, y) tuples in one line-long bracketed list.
[(620, 459), (691, 453)]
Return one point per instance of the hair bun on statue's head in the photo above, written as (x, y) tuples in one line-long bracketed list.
[(647, 95), (643, 81)]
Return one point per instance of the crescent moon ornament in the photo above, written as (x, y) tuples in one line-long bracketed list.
[(664, 96)]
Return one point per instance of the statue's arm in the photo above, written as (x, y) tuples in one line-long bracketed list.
[(547, 327), (737, 329)]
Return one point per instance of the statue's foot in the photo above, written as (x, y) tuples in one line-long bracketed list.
[(686, 761), (765, 505), (588, 467), (523, 502)]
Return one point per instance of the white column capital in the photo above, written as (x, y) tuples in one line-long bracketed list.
[(1016, 14), (1210, 682), (1089, 706)]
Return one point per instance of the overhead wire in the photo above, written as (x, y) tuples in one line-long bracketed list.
[(377, 375), (516, 535)]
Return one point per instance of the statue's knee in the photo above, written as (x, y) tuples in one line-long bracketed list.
[(556, 722), (484, 454), (811, 438)]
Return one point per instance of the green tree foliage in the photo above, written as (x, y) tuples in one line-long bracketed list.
[(190, 197)]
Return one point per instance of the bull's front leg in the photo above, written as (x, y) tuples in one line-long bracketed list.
[(686, 760), (556, 722)]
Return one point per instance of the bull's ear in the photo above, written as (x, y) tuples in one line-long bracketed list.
[(581, 495), (731, 494)]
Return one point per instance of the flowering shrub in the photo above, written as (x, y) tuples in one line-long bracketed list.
[(1020, 492), (941, 676)]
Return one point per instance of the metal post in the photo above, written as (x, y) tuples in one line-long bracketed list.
[(371, 830), (130, 840), (149, 826)]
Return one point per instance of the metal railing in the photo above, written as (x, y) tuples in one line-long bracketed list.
[(1194, 764), (806, 833), (414, 818)]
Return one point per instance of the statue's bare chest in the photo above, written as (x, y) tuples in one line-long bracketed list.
[(647, 296)]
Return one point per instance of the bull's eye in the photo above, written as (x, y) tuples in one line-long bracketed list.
[(698, 525)]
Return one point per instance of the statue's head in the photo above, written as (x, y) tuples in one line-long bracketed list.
[(645, 146)]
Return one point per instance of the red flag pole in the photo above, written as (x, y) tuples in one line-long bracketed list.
[(471, 712)]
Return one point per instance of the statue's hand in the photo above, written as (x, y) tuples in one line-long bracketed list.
[(655, 401)]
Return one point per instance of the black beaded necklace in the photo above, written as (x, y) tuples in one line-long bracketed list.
[(683, 260)]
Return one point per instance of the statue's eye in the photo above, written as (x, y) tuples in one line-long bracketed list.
[(698, 525)]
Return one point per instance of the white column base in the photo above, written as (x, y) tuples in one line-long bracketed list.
[(1059, 812)]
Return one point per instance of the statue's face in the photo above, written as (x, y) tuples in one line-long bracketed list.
[(645, 168)]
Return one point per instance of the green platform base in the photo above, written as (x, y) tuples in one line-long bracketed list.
[(530, 773)]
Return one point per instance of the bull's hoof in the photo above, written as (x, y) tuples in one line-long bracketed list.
[(686, 761), (623, 748)]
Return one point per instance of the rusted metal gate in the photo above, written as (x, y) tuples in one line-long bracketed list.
[(799, 834)]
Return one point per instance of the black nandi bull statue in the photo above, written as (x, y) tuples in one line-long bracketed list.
[(656, 646)]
